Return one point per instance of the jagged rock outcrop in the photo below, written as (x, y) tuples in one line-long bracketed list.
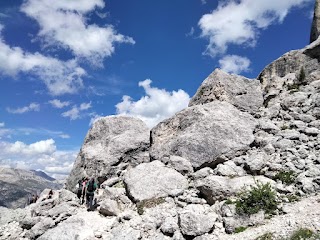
[(245, 94), (111, 145), (17, 186), (203, 134), (315, 28)]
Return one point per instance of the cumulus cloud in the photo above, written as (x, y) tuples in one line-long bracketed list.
[(234, 64), (77, 112), (157, 105), (42, 155), (32, 107), (60, 77), (64, 23), (239, 22), (1, 124), (56, 103)]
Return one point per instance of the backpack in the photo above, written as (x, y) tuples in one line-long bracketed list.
[(91, 187)]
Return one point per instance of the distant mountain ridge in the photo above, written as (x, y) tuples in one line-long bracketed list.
[(17, 184), (43, 175)]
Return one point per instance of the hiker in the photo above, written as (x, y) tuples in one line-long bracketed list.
[(80, 188), (84, 183), (91, 186)]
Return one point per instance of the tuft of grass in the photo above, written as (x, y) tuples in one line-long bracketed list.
[(150, 203), (259, 197), (302, 233), (229, 201), (240, 229), (286, 177), (293, 198), (266, 236)]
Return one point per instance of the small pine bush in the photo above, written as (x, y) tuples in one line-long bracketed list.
[(301, 234), (239, 229), (266, 236), (286, 177), (259, 197)]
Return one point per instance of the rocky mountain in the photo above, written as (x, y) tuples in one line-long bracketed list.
[(16, 185), (242, 161)]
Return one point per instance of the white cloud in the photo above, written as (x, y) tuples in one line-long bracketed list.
[(77, 112), (32, 107), (42, 155), (234, 64), (157, 105), (239, 22), (64, 136), (60, 77), (58, 104), (1, 124), (64, 23)]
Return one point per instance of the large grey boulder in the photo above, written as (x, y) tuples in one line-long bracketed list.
[(217, 188), (153, 180), (203, 133), (196, 219), (111, 145), (315, 29), (243, 93)]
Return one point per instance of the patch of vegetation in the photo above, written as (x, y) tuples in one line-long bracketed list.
[(302, 233), (259, 197), (300, 82), (229, 201), (266, 236), (150, 203), (284, 127), (286, 177), (302, 75), (240, 229), (293, 198), (119, 184)]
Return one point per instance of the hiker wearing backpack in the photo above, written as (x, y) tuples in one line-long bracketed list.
[(79, 188), (84, 185), (91, 186)]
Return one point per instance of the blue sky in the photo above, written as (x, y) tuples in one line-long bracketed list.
[(64, 64)]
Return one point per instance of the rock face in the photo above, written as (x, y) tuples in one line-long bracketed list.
[(243, 93), (111, 145), (315, 29), (17, 185), (202, 134)]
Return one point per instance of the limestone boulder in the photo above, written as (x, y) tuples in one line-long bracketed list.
[(202, 134), (217, 188), (154, 180), (243, 93), (111, 145), (196, 219)]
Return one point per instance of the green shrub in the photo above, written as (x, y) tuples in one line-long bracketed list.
[(302, 233), (259, 197), (286, 177), (149, 204), (302, 75), (229, 201), (239, 229), (266, 236)]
